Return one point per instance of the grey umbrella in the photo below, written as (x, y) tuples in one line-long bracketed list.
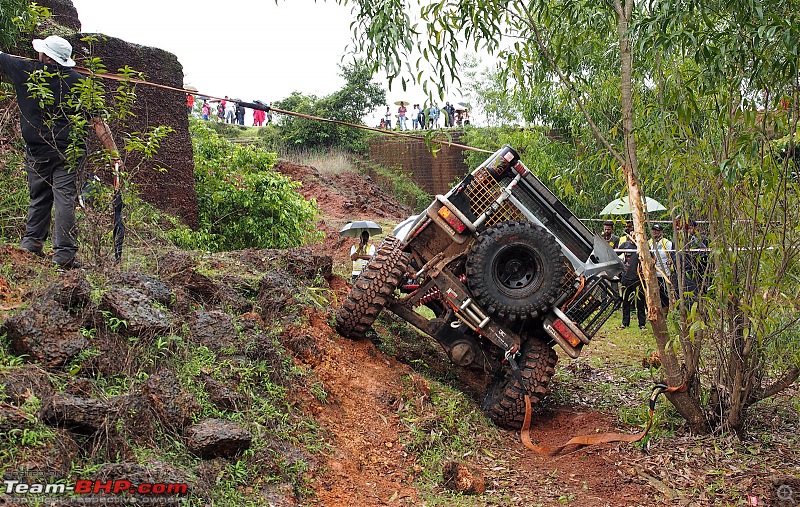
[(354, 229)]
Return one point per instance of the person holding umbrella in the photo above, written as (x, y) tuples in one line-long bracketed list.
[(361, 254)]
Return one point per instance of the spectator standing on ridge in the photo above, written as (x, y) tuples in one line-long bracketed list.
[(205, 110), (48, 133), (415, 117), (387, 119), (240, 114), (230, 112), (401, 116), (449, 119), (258, 117), (189, 103), (221, 110), (433, 116)]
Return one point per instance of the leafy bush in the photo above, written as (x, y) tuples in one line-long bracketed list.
[(242, 202), (18, 19), (13, 198)]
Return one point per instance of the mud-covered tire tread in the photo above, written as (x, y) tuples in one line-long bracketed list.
[(553, 265), (373, 290), (504, 402)]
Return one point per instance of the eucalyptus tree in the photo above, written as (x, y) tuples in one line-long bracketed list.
[(670, 90), (727, 80)]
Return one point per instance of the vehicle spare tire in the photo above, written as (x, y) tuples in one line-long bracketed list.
[(515, 270), (372, 290), (504, 402)]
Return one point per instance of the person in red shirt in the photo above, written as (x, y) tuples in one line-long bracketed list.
[(189, 103), (258, 117), (401, 116)]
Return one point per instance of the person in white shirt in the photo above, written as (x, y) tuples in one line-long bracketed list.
[(415, 117), (230, 112), (361, 254)]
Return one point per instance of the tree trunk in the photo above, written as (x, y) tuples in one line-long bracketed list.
[(687, 403)]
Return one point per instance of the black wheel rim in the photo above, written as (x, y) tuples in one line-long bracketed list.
[(517, 270)]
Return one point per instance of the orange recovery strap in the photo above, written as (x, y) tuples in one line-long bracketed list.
[(598, 438)]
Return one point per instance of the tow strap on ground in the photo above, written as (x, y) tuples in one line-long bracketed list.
[(584, 440), (597, 438)]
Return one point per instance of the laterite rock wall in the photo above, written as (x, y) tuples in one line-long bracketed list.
[(435, 175), (171, 190)]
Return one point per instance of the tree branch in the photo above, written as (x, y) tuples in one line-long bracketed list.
[(573, 92), (779, 385)]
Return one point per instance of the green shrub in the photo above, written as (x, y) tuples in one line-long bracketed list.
[(242, 202)]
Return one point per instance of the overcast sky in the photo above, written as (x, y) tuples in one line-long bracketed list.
[(250, 49)]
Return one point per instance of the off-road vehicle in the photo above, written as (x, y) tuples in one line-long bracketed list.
[(506, 271)]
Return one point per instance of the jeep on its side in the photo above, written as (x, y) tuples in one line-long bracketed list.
[(508, 273)]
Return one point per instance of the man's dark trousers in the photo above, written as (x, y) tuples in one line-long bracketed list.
[(51, 183)]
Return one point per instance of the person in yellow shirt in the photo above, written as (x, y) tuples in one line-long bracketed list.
[(361, 254), (628, 236)]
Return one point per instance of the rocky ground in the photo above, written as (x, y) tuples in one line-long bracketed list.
[(192, 366)]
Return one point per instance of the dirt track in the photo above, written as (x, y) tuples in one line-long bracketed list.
[(367, 390)]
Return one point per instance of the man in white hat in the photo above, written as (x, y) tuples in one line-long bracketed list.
[(46, 129)]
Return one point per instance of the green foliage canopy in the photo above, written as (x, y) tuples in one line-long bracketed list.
[(18, 18), (674, 98), (358, 97)]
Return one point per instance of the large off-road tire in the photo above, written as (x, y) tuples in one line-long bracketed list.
[(372, 290), (515, 270), (504, 402)]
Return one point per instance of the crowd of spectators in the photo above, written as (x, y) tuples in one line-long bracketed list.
[(226, 110), (426, 117)]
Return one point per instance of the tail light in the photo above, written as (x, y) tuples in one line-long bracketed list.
[(451, 219), (566, 332), (520, 168)]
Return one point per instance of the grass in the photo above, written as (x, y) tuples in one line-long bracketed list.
[(442, 426), (327, 163), (399, 184)]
